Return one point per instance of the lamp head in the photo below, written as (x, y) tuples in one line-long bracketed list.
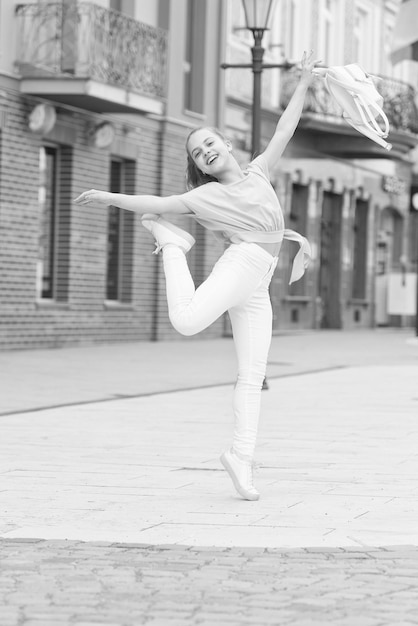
[(257, 14)]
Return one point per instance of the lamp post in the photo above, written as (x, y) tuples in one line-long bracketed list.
[(257, 16)]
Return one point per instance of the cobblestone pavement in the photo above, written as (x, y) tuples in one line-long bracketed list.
[(60, 583)]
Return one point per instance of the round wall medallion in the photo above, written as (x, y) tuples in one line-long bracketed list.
[(103, 135), (42, 119)]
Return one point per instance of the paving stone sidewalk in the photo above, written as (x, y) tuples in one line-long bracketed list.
[(64, 583), (333, 540)]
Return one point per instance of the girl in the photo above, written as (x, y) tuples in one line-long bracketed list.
[(242, 208)]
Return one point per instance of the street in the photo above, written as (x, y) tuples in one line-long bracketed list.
[(117, 511)]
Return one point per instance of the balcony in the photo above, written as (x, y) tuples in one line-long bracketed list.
[(326, 131), (83, 55)]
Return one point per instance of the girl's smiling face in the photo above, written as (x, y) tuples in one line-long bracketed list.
[(208, 150)]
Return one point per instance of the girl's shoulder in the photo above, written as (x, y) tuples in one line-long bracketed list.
[(201, 198), (259, 166), (201, 191)]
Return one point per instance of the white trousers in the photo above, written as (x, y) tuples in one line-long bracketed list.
[(238, 284)]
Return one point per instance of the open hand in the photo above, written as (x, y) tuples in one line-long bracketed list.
[(308, 63), (94, 196)]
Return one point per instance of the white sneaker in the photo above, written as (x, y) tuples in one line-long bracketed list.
[(166, 232), (241, 473)]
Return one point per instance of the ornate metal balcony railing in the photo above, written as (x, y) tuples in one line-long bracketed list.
[(87, 41), (399, 101)]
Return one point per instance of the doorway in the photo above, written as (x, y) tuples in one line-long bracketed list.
[(389, 252), (330, 260)]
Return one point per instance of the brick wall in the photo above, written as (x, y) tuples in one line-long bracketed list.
[(79, 312)]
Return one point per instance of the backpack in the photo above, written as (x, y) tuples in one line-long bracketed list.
[(359, 99)]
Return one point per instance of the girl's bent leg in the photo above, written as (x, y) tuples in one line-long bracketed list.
[(236, 275), (179, 283)]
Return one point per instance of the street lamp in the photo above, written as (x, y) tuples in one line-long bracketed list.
[(257, 16)]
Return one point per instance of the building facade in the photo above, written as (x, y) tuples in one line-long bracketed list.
[(96, 95), (103, 94), (349, 196)]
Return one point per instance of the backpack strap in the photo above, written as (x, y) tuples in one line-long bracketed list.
[(363, 106)]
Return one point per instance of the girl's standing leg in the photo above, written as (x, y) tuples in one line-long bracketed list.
[(252, 331)]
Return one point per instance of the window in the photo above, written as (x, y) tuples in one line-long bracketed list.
[(362, 37), (194, 56), (120, 235), (296, 32), (360, 249), (298, 219), (293, 28), (330, 41), (387, 65), (236, 18), (47, 198), (387, 35), (240, 40), (55, 205)]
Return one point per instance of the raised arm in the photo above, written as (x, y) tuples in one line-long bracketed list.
[(138, 204), (291, 115)]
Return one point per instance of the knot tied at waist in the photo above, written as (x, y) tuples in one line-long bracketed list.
[(302, 258)]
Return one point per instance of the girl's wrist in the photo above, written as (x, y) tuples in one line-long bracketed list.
[(306, 78), (305, 81)]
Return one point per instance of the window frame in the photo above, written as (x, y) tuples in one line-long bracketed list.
[(124, 246), (194, 57), (54, 230)]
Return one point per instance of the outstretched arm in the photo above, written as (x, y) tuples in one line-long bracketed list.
[(291, 115), (137, 204)]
